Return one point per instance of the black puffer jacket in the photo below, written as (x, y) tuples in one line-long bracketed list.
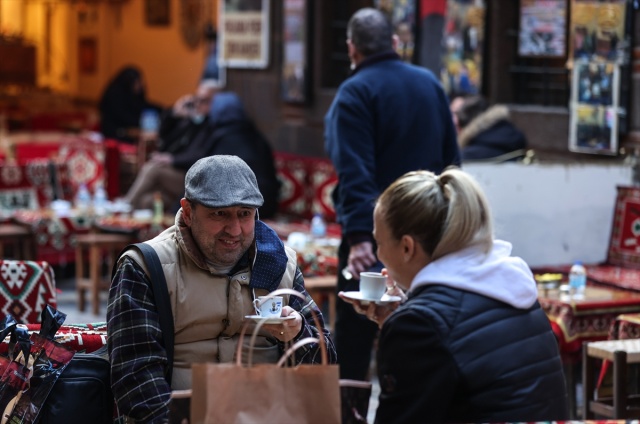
[(480, 360)]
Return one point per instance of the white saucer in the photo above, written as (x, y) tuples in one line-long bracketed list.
[(269, 320), (356, 295)]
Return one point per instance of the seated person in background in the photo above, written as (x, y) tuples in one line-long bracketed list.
[(209, 123), (470, 342), (486, 133), (216, 259), (183, 138), (235, 134), (122, 104)]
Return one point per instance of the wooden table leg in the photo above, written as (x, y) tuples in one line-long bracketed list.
[(588, 383), (80, 277), (94, 264)]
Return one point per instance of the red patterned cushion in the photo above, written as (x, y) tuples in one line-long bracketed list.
[(28, 184), (292, 172), (84, 338), (322, 180), (624, 247), (85, 160), (26, 287), (55, 235), (307, 184)]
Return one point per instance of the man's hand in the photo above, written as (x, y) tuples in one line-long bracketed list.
[(183, 107), (288, 329), (361, 258)]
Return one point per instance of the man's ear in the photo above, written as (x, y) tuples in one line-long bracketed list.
[(186, 211), (395, 41), (354, 54)]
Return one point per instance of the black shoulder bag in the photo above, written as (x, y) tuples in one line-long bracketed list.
[(82, 393)]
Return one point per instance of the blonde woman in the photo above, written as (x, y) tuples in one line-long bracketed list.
[(469, 343)]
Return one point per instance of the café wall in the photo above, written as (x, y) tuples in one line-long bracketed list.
[(171, 68), (122, 36), (553, 213)]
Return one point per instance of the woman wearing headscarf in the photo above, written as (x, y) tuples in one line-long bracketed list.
[(122, 104)]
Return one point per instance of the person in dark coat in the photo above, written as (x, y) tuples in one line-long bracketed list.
[(121, 105), (387, 118), (209, 123), (234, 133), (486, 132), (468, 341)]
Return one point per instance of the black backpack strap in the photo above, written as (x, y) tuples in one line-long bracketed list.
[(161, 295)]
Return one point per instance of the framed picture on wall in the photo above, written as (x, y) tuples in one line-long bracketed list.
[(88, 55), (463, 39), (157, 12), (295, 54), (594, 108), (543, 26)]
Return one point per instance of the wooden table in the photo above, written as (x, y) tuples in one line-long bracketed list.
[(589, 319), (97, 245), (20, 238), (575, 321)]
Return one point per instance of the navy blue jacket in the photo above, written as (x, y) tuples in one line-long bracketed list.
[(388, 118), (448, 355)]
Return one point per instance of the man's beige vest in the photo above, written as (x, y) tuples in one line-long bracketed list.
[(208, 308)]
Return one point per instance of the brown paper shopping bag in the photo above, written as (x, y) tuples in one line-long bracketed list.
[(266, 393)]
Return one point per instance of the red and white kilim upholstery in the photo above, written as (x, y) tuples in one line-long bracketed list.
[(26, 287), (307, 184), (84, 338)]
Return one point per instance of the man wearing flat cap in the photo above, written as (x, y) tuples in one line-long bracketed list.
[(216, 258)]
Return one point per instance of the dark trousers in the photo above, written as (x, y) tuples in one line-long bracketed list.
[(354, 333)]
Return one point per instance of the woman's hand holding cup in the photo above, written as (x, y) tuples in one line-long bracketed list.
[(377, 313)]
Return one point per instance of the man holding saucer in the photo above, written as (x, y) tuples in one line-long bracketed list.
[(216, 259)]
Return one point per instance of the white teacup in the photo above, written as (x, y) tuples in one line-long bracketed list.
[(372, 285), (268, 306)]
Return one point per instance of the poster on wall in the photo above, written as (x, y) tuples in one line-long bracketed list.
[(597, 30), (543, 26), (295, 67), (594, 111), (461, 71), (244, 34)]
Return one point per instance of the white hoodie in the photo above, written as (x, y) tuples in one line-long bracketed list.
[(496, 275)]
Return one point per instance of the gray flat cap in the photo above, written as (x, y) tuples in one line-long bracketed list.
[(221, 181)]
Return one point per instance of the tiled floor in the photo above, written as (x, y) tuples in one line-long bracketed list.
[(68, 304)]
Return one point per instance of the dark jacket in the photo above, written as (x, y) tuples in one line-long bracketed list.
[(388, 118), (225, 131), (185, 140), (490, 135), (243, 139), (448, 355)]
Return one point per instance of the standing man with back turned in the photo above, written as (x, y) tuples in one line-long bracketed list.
[(388, 118)]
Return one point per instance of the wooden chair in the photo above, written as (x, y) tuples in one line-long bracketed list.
[(97, 244), (354, 399), (622, 353)]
